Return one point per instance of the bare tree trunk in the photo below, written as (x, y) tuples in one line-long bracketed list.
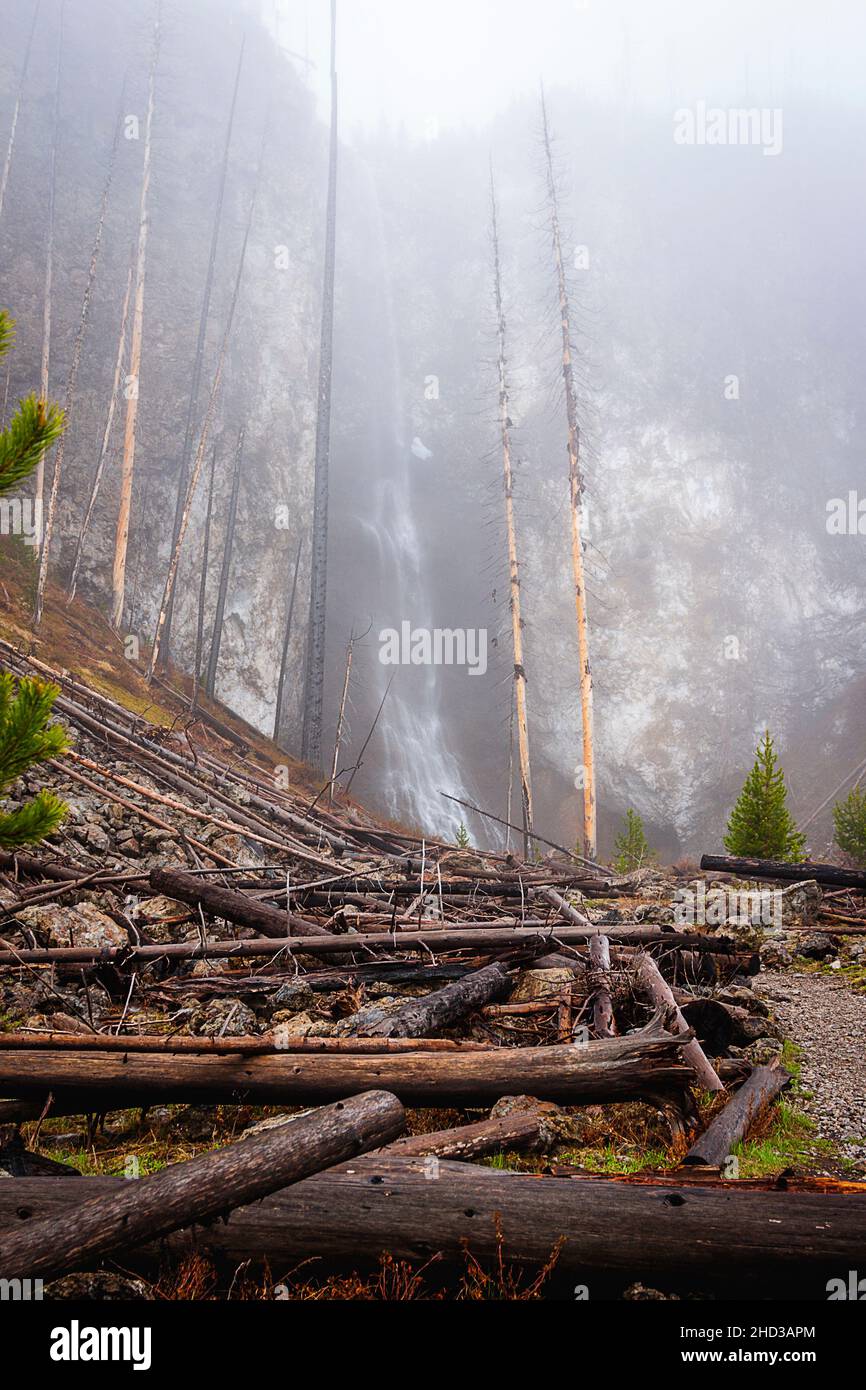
[(279, 718), (72, 379), (171, 577), (106, 436), (202, 588), (49, 256), (228, 545), (341, 717), (121, 541), (315, 673), (513, 565), (198, 363), (16, 110), (575, 484)]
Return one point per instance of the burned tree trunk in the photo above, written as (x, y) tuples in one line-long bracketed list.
[(225, 570), (575, 487), (202, 587), (639, 1067), (421, 1017), (830, 875), (513, 564), (198, 361), (732, 1124), (127, 477), (315, 676), (207, 1186), (232, 907)]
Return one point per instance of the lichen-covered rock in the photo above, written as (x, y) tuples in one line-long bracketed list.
[(224, 1018), (535, 985), (84, 926)]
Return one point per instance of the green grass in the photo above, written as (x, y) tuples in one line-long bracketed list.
[(791, 1142), (611, 1160)]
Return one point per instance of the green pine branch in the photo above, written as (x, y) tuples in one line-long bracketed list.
[(761, 826), (34, 427), (849, 817)]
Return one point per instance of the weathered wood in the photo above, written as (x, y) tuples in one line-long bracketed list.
[(638, 1066), (420, 1017), (627, 1228), (200, 1189), (521, 1129), (733, 1124), (279, 1040), (232, 906), (830, 875), (659, 992), (598, 982)]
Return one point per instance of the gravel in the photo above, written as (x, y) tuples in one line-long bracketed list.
[(827, 1020)]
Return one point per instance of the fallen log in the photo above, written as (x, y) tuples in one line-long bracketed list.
[(407, 939), (732, 1125), (231, 906), (420, 1017), (625, 1228), (659, 992), (519, 1130), (200, 1189), (279, 1040), (642, 1065), (829, 875), (598, 983)]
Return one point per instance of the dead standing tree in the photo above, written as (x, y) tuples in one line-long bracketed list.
[(195, 386), (49, 251), (121, 540), (16, 110), (72, 379), (513, 565), (315, 676), (575, 485), (222, 593), (280, 731)]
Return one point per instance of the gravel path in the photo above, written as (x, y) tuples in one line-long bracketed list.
[(827, 1020)]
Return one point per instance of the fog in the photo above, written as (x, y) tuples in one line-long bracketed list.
[(714, 268)]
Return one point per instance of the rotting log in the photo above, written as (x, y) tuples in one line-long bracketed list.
[(420, 1017), (231, 906), (199, 1190), (659, 992), (710, 1232), (733, 1124), (640, 1066), (829, 875)]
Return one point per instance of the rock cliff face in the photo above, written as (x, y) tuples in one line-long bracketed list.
[(270, 380), (721, 414)]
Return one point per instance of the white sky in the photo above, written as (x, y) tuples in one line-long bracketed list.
[(462, 61)]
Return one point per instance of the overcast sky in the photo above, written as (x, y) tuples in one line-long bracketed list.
[(424, 63)]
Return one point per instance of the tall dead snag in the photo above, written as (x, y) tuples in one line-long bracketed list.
[(225, 569), (280, 716), (513, 565), (72, 379), (106, 438), (16, 110), (341, 717), (171, 578), (49, 253), (121, 541), (195, 385), (575, 485), (202, 587), (192, 1192), (315, 675)]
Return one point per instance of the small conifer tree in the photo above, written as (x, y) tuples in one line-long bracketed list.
[(849, 817), (26, 737), (761, 826), (632, 849), (462, 840)]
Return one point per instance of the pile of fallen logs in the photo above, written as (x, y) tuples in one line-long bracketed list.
[(327, 901)]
